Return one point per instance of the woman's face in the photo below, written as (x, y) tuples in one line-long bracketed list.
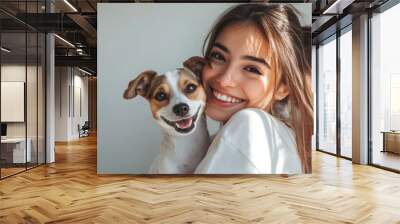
[(240, 74)]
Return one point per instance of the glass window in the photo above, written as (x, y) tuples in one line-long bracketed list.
[(327, 96), (346, 93), (385, 89), (14, 151), (22, 91)]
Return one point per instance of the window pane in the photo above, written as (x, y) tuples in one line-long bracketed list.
[(327, 96), (346, 94), (31, 100), (14, 152), (385, 86)]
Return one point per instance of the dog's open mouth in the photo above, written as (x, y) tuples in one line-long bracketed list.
[(184, 125)]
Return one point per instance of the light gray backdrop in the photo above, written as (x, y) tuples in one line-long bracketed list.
[(133, 38)]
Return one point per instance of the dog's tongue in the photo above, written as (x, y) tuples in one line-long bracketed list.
[(185, 123)]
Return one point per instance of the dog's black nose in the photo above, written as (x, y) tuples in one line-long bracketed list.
[(181, 109)]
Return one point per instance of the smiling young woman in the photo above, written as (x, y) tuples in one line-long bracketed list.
[(240, 75), (257, 81)]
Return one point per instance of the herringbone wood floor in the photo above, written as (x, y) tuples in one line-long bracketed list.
[(70, 191)]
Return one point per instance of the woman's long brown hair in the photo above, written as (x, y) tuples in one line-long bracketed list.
[(289, 43)]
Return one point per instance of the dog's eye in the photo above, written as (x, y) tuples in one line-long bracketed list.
[(190, 88), (160, 96)]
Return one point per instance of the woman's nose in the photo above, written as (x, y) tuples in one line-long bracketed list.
[(226, 78)]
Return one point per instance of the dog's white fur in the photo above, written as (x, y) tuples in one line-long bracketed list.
[(180, 153)]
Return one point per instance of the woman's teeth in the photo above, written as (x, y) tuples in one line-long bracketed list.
[(226, 98)]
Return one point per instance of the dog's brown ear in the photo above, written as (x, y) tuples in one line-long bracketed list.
[(195, 64), (140, 85)]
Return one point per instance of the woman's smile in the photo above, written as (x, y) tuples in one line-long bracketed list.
[(220, 98)]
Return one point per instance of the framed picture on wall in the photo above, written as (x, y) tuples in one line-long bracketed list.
[(12, 101), (204, 88)]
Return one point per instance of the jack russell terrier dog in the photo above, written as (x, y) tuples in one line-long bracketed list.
[(177, 100)]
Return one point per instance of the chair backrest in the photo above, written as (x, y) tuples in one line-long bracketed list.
[(86, 125)]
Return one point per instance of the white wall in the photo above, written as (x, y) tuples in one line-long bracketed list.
[(79, 117), (61, 103), (68, 82), (141, 37)]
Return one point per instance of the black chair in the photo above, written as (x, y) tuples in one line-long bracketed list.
[(84, 130)]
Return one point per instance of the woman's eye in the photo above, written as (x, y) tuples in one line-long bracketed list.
[(252, 70), (217, 56), (160, 96), (190, 88)]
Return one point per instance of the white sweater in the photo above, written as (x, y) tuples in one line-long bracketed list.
[(252, 142)]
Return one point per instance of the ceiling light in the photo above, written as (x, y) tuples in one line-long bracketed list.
[(79, 51), (70, 5), (84, 71), (5, 50), (337, 7), (65, 41)]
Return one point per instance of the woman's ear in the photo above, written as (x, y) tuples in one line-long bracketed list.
[(282, 92)]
